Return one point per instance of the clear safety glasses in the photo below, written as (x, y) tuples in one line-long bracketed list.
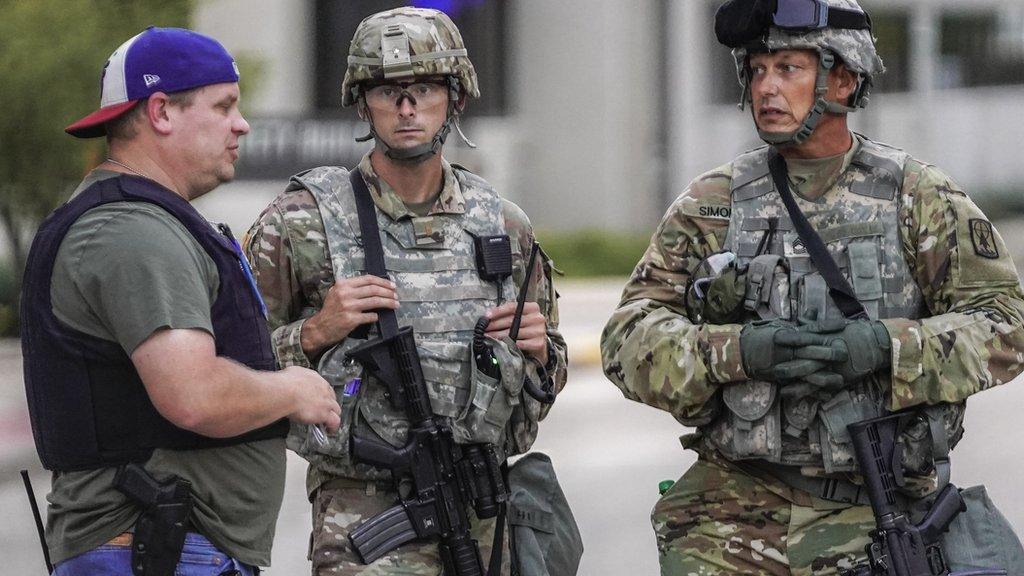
[(421, 93)]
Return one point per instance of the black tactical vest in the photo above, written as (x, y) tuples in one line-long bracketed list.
[(87, 404)]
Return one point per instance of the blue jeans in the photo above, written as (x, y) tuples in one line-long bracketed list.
[(198, 558)]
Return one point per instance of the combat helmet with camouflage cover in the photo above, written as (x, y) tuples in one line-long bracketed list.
[(838, 30), (405, 44)]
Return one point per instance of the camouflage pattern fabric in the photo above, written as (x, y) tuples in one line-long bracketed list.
[(336, 511), (431, 34), (855, 47), (288, 249), (718, 520), (859, 223), (969, 336)]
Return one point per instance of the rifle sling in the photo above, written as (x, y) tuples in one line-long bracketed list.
[(838, 287), (373, 250)]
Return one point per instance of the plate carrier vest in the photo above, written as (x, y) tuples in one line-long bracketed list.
[(858, 221), (88, 406)]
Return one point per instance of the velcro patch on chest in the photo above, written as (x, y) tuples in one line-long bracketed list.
[(429, 232), (983, 238), (704, 210)]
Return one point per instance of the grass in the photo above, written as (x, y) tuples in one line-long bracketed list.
[(594, 253)]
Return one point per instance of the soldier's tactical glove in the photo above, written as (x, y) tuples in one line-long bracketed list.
[(852, 349), (761, 350)]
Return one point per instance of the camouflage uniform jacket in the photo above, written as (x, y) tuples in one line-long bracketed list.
[(971, 335), (291, 261)]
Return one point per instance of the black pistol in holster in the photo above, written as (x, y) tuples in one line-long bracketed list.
[(159, 533), (900, 547), (447, 478)]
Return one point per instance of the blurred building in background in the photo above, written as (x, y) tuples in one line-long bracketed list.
[(596, 113)]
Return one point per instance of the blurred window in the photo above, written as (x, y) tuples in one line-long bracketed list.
[(483, 24), (892, 32), (982, 48)]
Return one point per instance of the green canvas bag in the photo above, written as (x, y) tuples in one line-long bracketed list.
[(544, 536)]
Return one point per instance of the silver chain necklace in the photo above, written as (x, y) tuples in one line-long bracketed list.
[(129, 168)]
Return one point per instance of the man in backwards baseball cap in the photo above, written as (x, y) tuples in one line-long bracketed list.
[(156, 60), (148, 366)]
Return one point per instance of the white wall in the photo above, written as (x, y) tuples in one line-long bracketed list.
[(584, 84), (276, 33)]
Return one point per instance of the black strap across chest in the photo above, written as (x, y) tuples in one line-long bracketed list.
[(838, 287), (373, 250)]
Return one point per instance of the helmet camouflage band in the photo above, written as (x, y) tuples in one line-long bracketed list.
[(856, 49), (407, 43)]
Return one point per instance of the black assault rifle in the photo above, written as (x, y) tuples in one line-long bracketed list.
[(446, 477), (900, 547)]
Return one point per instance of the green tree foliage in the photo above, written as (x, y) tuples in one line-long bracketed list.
[(594, 253), (51, 54)]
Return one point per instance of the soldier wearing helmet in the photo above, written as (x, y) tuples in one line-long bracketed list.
[(770, 343), (409, 77)]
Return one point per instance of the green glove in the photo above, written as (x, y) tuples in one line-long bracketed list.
[(760, 350), (852, 349)]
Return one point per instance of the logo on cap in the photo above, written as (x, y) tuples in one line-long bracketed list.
[(150, 79)]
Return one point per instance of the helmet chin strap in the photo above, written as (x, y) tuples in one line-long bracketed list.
[(420, 152), (826, 62)]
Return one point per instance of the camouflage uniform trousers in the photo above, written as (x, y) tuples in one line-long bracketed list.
[(718, 520), (337, 511)]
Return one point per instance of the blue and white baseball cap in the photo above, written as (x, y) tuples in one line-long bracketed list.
[(155, 60)]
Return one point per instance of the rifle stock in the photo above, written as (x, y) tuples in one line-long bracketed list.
[(898, 546)]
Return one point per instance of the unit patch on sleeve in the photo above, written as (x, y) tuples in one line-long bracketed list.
[(983, 238)]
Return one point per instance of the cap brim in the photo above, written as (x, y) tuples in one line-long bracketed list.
[(94, 125)]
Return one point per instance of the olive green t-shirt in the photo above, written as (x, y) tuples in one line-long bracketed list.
[(123, 271), (811, 178), (422, 208)]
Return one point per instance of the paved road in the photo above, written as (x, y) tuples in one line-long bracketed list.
[(610, 455)]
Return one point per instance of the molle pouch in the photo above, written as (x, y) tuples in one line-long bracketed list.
[(345, 376), (491, 401), (755, 420), (981, 537), (815, 301), (716, 291), (767, 287), (799, 407), (918, 447), (845, 408), (866, 274)]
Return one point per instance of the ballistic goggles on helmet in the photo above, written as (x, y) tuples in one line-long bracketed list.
[(740, 22)]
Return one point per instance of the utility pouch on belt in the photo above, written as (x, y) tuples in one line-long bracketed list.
[(160, 531)]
